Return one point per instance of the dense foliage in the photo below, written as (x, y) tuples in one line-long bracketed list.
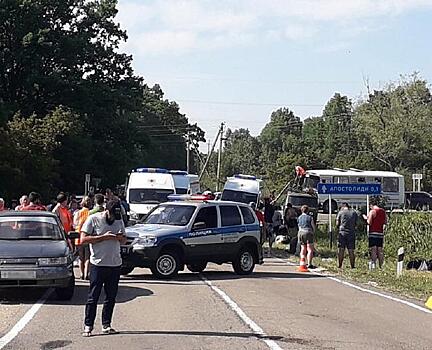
[(389, 130), (71, 104)]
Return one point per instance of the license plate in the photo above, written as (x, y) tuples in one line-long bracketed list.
[(18, 275), (124, 250)]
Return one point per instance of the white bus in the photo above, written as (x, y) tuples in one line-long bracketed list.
[(392, 186)]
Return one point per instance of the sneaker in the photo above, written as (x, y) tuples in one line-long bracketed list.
[(310, 266), (108, 330), (87, 331)]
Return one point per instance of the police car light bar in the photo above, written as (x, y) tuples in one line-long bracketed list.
[(245, 177), (190, 197), (178, 172), (151, 170)]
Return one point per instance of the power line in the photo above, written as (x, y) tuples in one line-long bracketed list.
[(250, 103)]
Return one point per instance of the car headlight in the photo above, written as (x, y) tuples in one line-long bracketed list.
[(52, 261), (144, 241)]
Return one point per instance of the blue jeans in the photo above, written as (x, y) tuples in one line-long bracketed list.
[(108, 278)]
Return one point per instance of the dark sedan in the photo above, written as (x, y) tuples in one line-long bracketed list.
[(34, 252)]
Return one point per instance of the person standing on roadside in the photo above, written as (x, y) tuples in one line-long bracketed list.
[(376, 219), (2, 205), (62, 211), (306, 234), (83, 249), (105, 232), (290, 221), (14, 204), (346, 221), (99, 201), (35, 202), (268, 218), (24, 201)]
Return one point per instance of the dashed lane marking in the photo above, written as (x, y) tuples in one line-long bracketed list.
[(245, 318)]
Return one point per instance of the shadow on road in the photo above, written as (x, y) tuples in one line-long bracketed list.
[(197, 334), (195, 279), (32, 295), (222, 275)]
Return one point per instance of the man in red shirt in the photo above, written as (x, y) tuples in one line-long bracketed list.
[(35, 202), (376, 220)]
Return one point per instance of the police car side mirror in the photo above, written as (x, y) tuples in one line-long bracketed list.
[(198, 226)]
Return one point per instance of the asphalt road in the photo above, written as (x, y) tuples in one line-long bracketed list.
[(275, 308)]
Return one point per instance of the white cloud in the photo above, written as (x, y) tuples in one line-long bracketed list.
[(180, 26)]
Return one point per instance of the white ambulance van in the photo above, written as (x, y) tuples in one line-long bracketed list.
[(147, 187), (242, 188), (185, 183)]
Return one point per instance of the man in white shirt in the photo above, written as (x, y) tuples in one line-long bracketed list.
[(104, 232)]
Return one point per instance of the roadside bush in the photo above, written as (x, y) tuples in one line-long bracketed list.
[(413, 231)]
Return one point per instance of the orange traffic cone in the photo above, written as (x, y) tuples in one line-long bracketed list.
[(302, 267)]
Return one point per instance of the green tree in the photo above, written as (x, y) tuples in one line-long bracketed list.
[(241, 153), (32, 142), (394, 127)]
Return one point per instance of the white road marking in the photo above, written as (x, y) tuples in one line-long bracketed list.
[(19, 326), (348, 284), (245, 318)]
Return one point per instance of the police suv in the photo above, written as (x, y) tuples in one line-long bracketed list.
[(192, 230)]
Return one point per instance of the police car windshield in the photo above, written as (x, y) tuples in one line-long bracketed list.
[(148, 195), (239, 196), (171, 214)]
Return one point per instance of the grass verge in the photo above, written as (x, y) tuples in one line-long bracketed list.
[(412, 284)]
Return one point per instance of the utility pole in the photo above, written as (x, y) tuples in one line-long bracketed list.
[(221, 138), (188, 152), (209, 155)]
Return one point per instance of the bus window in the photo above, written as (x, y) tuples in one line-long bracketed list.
[(325, 180), (359, 180), (390, 184), (372, 180), (341, 179)]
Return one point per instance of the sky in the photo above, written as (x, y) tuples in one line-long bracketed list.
[(237, 61)]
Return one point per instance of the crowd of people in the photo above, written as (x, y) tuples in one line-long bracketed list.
[(301, 226)]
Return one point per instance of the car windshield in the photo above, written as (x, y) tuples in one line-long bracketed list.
[(239, 196), (176, 215), (297, 201), (28, 228), (311, 182), (148, 195)]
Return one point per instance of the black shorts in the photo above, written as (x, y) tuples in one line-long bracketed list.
[(376, 242), (346, 241)]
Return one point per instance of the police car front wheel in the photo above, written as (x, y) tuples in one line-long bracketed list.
[(244, 263), (166, 265)]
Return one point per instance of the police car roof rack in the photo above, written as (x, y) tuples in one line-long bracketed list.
[(189, 197)]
